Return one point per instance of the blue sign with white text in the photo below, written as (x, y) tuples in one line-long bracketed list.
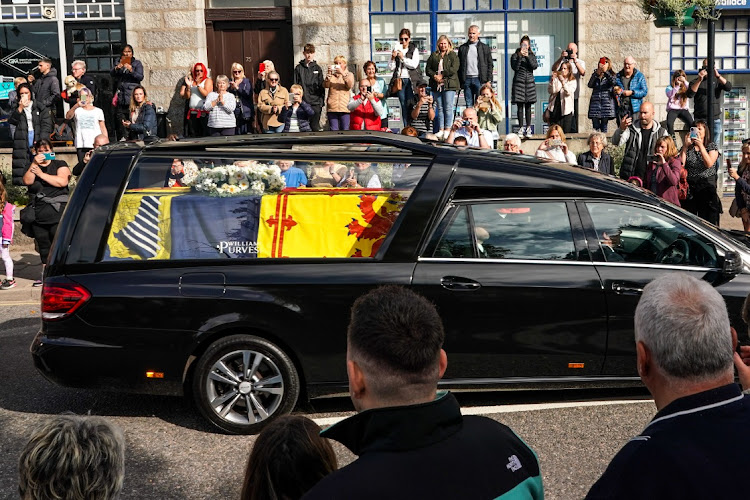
[(731, 4), (5, 88)]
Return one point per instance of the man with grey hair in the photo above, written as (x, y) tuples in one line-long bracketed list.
[(696, 445), (73, 457), (78, 70)]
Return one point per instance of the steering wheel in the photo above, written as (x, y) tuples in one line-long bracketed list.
[(677, 252)]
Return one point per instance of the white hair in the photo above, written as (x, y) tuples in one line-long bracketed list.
[(513, 139), (600, 136), (684, 322), (80, 63)]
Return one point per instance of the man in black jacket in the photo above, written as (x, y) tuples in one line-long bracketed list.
[(639, 139), (46, 94), (78, 70), (698, 90), (474, 65), (413, 442), (309, 75), (696, 445)]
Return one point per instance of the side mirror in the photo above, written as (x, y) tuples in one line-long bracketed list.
[(732, 263)]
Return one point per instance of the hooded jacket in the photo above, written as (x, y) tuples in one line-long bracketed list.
[(310, 77), (631, 137), (21, 159)]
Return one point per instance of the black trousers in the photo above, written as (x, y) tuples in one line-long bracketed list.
[(43, 235), (682, 114), (121, 113), (704, 203), (315, 120)]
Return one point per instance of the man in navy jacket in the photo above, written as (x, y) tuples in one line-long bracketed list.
[(696, 445)]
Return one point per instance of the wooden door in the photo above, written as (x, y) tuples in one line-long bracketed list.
[(250, 43)]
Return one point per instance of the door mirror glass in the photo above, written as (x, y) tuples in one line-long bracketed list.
[(732, 263)]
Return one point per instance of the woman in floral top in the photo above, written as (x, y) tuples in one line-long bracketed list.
[(699, 157)]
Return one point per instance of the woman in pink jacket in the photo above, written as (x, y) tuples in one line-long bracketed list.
[(663, 172), (7, 236)]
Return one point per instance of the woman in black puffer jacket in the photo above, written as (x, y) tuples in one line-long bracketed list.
[(23, 137), (602, 106), (523, 61)]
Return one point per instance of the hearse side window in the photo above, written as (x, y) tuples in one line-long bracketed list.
[(638, 235), (510, 230), (217, 208)]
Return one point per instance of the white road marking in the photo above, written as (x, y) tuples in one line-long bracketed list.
[(491, 410)]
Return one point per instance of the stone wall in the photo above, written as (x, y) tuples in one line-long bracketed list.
[(168, 37), (335, 27), (617, 29)]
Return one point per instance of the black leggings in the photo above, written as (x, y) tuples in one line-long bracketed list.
[(523, 108), (682, 114), (43, 235), (704, 203)]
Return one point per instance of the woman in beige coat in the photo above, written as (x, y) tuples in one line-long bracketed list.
[(271, 101), (339, 83)]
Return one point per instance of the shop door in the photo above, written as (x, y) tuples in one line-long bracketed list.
[(250, 43), (99, 45)]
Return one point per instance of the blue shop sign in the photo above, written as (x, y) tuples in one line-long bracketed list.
[(5, 87)]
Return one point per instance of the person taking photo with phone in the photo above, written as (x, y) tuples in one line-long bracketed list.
[(639, 138), (422, 110), (699, 155), (554, 146), (578, 69), (127, 74), (89, 122), (664, 170), (47, 179), (524, 62), (602, 104), (677, 101), (339, 82), (698, 89), (297, 114), (365, 109), (562, 88), (442, 71), (26, 118)]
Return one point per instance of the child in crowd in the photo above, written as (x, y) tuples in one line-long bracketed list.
[(6, 222), (288, 459)]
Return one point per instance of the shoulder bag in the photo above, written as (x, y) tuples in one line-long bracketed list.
[(396, 84)]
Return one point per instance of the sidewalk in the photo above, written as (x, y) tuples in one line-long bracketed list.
[(27, 268)]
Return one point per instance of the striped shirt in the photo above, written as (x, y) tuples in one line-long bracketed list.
[(221, 116)]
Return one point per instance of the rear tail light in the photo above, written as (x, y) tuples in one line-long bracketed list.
[(60, 300)]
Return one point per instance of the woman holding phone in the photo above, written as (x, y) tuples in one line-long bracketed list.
[(602, 105), (26, 118), (523, 61), (741, 177), (699, 157), (89, 122), (664, 170), (47, 179), (442, 70), (378, 89)]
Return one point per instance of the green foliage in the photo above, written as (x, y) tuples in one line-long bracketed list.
[(617, 153), (16, 194), (704, 9)]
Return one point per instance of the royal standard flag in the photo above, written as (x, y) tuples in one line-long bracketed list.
[(326, 223)]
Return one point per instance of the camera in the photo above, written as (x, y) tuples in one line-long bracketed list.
[(466, 123), (704, 68), (566, 55)]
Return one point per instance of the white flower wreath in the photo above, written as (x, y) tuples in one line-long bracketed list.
[(242, 178)]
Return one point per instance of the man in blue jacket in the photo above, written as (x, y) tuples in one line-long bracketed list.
[(630, 88), (696, 445), (413, 442)]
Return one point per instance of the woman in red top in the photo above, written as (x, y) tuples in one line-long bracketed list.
[(664, 171), (365, 109), (195, 89)]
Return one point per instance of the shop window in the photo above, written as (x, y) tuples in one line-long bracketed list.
[(689, 46), (93, 9)]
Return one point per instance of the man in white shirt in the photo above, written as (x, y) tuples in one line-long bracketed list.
[(578, 68), (468, 126)]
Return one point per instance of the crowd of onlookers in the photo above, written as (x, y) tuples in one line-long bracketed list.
[(413, 442)]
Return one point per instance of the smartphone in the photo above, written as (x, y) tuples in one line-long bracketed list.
[(651, 158), (369, 89), (49, 156), (336, 67), (555, 143), (261, 67), (693, 132), (428, 90), (126, 60)]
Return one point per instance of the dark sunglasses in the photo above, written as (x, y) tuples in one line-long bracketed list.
[(403, 38), (236, 71), (199, 71)]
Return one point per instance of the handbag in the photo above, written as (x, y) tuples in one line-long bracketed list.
[(734, 210), (395, 86), (27, 216), (547, 115)]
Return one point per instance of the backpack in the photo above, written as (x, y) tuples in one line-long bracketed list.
[(683, 190)]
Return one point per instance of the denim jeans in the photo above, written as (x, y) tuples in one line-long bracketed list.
[(405, 95), (445, 102), (716, 132), (600, 124), (471, 90), (274, 130)]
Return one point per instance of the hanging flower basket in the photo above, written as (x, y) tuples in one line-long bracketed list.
[(666, 19), (679, 13)]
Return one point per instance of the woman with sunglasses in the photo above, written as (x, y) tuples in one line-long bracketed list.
[(271, 102), (127, 75), (242, 90), (405, 61), (195, 89)]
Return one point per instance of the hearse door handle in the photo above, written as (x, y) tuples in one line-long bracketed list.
[(621, 289), (458, 283)]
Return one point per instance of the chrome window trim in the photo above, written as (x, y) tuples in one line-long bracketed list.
[(641, 265), (504, 261)]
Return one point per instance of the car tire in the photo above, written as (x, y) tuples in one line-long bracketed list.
[(242, 400)]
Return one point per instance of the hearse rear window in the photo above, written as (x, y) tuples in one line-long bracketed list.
[(195, 207)]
